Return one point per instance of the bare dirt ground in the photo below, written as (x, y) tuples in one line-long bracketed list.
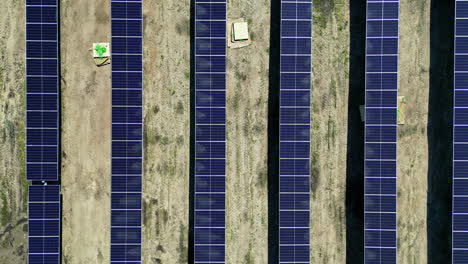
[(13, 185), (247, 101), (86, 133), (412, 137), (167, 128), (329, 130)]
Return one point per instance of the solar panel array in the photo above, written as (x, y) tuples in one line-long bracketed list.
[(42, 111), (381, 131), (460, 137), (210, 122), (44, 224), (127, 108), (295, 94), (42, 130)]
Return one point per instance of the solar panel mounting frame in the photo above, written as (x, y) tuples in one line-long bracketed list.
[(368, 249), (59, 236), (295, 252), (211, 252), (42, 176), (129, 104), (459, 176)]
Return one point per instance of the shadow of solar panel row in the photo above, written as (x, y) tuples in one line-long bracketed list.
[(460, 138), (42, 114), (44, 224), (210, 133), (380, 132), (294, 149), (127, 101)]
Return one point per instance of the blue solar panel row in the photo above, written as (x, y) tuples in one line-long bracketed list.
[(210, 134), (295, 95), (42, 88), (460, 137), (381, 131), (42, 134), (44, 224), (127, 109)]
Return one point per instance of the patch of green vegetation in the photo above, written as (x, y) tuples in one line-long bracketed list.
[(2, 69), (187, 75), (146, 141), (21, 151), (5, 216), (260, 102), (152, 136), (236, 100), (166, 168), (248, 258), (155, 109), (3, 136), (322, 12), (100, 257), (342, 26), (238, 153), (325, 9), (331, 132), (407, 130), (66, 259), (315, 109), (149, 136), (179, 108), (342, 58), (315, 126), (18, 132), (10, 131), (324, 101), (228, 124), (160, 248), (183, 257), (332, 92), (262, 178), (240, 76), (164, 215), (180, 140), (5, 243), (314, 170), (247, 124), (183, 28), (258, 128), (163, 140), (253, 36), (421, 9), (146, 212)]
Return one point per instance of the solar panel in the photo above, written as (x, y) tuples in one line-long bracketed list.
[(380, 132), (460, 138), (210, 134), (127, 108), (42, 88), (44, 224), (294, 149)]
